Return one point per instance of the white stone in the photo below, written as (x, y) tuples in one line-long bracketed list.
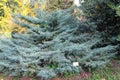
[(75, 64), (77, 3)]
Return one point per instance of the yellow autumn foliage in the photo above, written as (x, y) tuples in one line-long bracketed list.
[(7, 8)]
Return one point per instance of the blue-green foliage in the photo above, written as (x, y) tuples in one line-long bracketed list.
[(52, 38)]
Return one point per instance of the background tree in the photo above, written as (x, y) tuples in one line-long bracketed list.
[(100, 12)]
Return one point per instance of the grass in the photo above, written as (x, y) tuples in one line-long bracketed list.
[(105, 74), (110, 72)]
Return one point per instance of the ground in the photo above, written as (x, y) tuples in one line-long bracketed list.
[(109, 72)]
